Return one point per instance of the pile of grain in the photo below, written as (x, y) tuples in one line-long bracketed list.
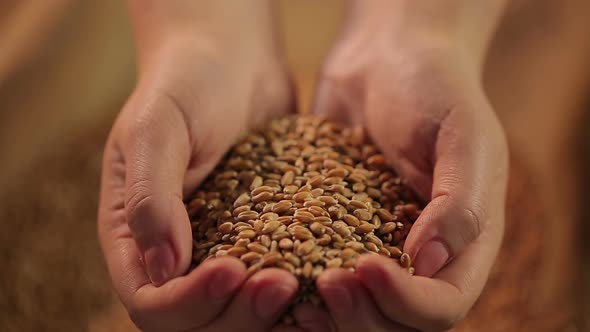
[(303, 195)]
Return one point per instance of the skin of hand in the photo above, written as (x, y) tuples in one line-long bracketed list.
[(201, 84), (412, 76)]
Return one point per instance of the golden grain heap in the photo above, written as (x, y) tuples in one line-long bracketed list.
[(303, 195)]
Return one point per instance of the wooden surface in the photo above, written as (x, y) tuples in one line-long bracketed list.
[(56, 107)]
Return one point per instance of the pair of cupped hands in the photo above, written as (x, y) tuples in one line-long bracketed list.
[(420, 100)]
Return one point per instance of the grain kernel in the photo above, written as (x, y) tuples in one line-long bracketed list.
[(351, 220), (306, 270), (261, 189), (364, 228), (258, 225), (265, 240), (330, 164), (301, 233), (348, 253), (316, 192), (270, 227), (247, 215), (328, 200), (243, 199), (291, 189), (405, 260), (286, 266), (242, 242), (324, 240), (377, 160), (316, 181), (286, 244), (314, 203), (363, 215), (271, 259), (349, 263), (383, 251), (263, 196), (237, 251), (247, 234), (339, 172), (282, 206), (387, 228), (269, 216), (324, 220), (317, 211), (341, 228), (317, 228), (293, 259), (226, 227), (253, 269), (304, 216), (334, 263), (374, 239), (278, 235), (257, 247), (240, 209), (301, 197), (256, 182), (305, 248), (371, 246), (384, 215)]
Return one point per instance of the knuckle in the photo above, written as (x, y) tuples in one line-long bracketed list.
[(137, 202), (469, 215), (464, 219), (474, 222)]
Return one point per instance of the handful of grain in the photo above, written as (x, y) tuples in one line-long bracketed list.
[(303, 195)]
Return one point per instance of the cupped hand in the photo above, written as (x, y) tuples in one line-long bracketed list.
[(190, 104), (421, 100)]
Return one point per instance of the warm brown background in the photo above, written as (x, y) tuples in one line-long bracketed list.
[(67, 66)]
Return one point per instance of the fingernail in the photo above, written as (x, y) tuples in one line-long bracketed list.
[(431, 258), (271, 299), (223, 284), (339, 300), (159, 261)]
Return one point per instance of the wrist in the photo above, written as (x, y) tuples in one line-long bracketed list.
[(463, 27), (221, 29)]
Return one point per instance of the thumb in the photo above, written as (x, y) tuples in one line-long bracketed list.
[(468, 191), (156, 156)]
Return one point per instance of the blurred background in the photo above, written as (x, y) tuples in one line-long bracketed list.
[(66, 68)]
